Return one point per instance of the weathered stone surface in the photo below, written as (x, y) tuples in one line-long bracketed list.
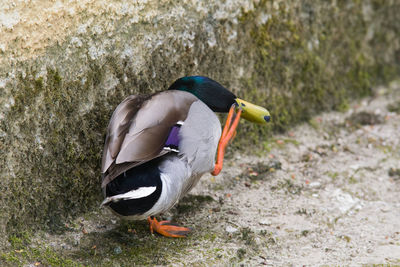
[(63, 72)]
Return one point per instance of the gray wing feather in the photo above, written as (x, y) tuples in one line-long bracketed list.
[(118, 126), (149, 131), (138, 129), (200, 134)]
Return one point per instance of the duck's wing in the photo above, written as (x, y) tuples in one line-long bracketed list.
[(139, 128), (118, 127)]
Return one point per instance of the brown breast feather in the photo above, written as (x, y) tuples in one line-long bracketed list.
[(139, 128)]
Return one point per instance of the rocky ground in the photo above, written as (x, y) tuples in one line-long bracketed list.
[(325, 193)]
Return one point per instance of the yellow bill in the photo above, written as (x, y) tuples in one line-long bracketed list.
[(253, 112)]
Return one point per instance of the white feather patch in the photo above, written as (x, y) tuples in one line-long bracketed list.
[(133, 194), (171, 149)]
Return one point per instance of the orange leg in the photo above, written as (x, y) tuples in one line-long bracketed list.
[(228, 133), (166, 228)]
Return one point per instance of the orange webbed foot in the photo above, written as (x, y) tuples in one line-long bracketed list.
[(168, 229), (228, 133)]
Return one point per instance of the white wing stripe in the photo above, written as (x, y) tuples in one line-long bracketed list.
[(133, 194)]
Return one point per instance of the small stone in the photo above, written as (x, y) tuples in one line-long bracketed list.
[(231, 229), (355, 166), (315, 184), (385, 209), (65, 246), (118, 250), (76, 240), (264, 222)]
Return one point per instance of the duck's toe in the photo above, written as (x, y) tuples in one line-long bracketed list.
[(168, 229)]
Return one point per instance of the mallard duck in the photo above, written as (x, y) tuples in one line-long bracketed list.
[(159, 145)]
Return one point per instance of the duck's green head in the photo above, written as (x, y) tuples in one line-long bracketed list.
[(218, 98)]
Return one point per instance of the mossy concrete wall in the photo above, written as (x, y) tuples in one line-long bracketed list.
[(64, 66)]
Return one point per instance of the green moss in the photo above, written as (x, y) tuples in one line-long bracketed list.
[(394, 107), (333, 175), (288, 186), (305, 232), (128, 244), (22, 253), (364, 118), (247, 235), (58, 152), (192, 202), (261, 170), (46, 257), (241, 252), (302, 68)]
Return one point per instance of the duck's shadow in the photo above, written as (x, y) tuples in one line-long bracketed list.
[(130, 242)]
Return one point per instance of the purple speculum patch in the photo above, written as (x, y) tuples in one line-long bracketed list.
[(173, 137)]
